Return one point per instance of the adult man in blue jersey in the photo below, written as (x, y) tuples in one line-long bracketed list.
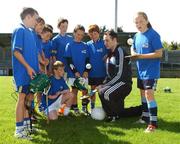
[(25, 65)]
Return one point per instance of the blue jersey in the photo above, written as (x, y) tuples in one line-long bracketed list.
[(144, 43), (38, 42), (78, 52), (59, 43), (23, 40), (47, 49), (97, 51), (56, 85)]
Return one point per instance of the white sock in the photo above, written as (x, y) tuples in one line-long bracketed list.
[(66, 111), (19, 128), (27, 124)]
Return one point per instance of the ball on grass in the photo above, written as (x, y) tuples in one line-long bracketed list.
[(98, 113)]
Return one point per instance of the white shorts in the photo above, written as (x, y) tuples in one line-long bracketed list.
[(55, 105), (70, 81), (65, 76)]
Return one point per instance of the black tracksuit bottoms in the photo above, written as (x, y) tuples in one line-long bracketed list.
[(114, 105)]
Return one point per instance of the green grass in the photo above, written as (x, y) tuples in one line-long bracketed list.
[(84, 130)]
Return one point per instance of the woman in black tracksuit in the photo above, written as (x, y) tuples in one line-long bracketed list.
[(118, 82)]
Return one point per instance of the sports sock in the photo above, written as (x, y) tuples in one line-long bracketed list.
[(92, 104), (84, 108), (152, 106), (19, 127), (75, 108), (145, 110), (66, 111), (27, 123)]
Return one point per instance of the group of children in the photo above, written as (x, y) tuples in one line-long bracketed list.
[(64, 59)]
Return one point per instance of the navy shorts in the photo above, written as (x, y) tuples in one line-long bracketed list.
[(147, 84), (23, 89)]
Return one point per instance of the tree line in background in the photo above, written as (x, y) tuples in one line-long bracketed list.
[(171, 46)]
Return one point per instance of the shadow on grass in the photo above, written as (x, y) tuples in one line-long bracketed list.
[(80, 130), (169, 126), (84, 130), (129, 123)]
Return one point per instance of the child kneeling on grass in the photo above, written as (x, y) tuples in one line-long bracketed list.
[(59, 94)]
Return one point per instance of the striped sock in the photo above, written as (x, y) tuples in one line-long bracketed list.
[(75, 108), (84, 108), (152, 106), (27, 123), (92, 104), (19, 127), (145, 110)]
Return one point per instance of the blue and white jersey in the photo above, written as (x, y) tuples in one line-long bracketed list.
[(97, 52), (59, 43), (47, 49), (56, 85), (144, 43), (23, 40), (38, 42), (77, 51)]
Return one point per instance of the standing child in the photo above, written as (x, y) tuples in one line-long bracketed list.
[(25, 65), (147, 49), (37, 32), (46, 36), (77, 59), (60, 41), (97, 52), (59, 94)]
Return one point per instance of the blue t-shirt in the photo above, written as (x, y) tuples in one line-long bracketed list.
[(78, 52), (59, 43), (47, 49), (38, 42), (56, 85), (97, 51), (144, 43), (23, 40)]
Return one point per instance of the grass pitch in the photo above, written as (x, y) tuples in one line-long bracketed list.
[(84, 130)]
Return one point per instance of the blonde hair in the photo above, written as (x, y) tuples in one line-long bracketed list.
[(144, 15), (57, 64)]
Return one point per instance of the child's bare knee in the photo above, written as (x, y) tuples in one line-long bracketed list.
[(53, 117)]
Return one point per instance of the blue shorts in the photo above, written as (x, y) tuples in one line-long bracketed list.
[(23, 89), (147, 84)]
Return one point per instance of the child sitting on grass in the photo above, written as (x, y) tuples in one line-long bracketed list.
[(59, 93)]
